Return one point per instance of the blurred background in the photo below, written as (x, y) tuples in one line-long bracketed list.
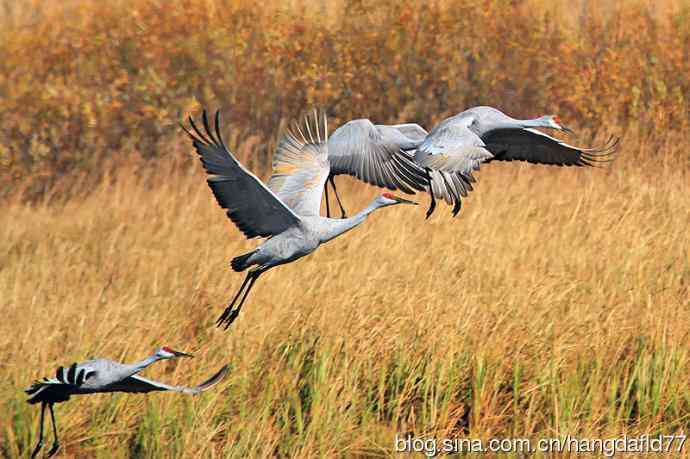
[(86, 84)]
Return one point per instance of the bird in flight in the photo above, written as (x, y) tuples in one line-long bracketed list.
[(457, 146), (101, 375), (286, 210)]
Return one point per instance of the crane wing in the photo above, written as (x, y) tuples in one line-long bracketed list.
[(452, 147), (451, 186), (374, 155), (251, 206), (534, 146), (300, 169), (75, 375), (451, 152), (139, 384), (412, 131), (59, 388)]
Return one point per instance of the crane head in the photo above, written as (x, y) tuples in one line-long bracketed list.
[(554, 122), (389, 199), (166, 352)]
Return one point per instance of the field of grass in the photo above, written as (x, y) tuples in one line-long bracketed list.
[(556, 303)]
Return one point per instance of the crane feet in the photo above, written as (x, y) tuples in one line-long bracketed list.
[(232, 311), (432, 206), (53, 450), (228, 317), (37, 449)]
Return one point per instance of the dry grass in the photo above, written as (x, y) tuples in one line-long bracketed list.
[(556, 303)]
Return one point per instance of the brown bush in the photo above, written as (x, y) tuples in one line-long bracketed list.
[(87, 83)]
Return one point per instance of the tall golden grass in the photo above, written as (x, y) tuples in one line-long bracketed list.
[(555, 303)]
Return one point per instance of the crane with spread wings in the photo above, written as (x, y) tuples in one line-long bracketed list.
[(102, 375), (286, 210), (458, 145)]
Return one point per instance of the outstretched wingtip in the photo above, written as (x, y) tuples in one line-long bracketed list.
[(207, 127), (185, 129), (211, 136), (220, 137), (215, 379), (602, 156), (199, 137)]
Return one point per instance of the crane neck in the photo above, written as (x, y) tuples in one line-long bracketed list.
[(339, 226), (136, 367), (533, 123)]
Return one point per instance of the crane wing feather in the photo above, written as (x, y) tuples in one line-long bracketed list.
[(59, 388), (412, 131), (452, 147), (374, 154), (300, 169), (534, 146), (251, 206), (451, 152), (139, 384)]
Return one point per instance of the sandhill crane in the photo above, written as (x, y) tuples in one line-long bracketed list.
[(286, 211), (101, 375), (459, 144), (375, 154)]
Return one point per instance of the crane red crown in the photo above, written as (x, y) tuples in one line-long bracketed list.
[(388, 195), (557, 119), (167, 349)]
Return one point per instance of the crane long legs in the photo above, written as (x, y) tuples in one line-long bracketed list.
[(231, 312), (56, 443), (335, 191), (39, 445), (432, 205), (328, 207)]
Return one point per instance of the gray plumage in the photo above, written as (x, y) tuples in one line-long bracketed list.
[(377, 155), (458, 145), (300, 170), (286, 211), (102, 376)]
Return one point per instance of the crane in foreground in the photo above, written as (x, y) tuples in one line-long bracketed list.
[(457, 146), (286, 211), (101, 375), (376, 154)]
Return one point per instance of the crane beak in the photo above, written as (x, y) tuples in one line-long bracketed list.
[(181, 354), (567, 130), (404, 201)]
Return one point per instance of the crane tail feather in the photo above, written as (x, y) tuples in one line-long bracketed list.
[(242, 262)]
